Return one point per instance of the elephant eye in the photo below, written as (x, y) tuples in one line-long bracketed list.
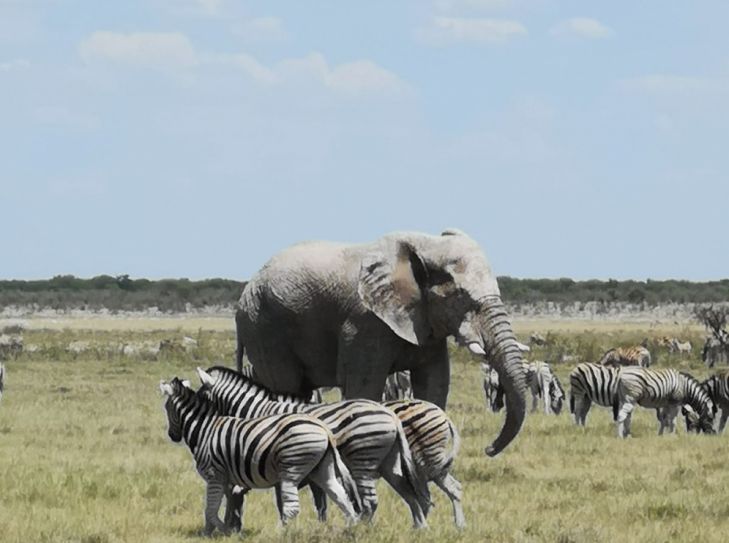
[(440, 277)]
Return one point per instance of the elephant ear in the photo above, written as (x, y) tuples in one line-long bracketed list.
[(391, 285)]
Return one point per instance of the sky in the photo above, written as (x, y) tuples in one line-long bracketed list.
[(196, 138)]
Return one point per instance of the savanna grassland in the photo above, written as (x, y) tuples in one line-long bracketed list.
[(84, 455)]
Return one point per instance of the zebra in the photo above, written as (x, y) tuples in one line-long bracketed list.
[(627, 356), (370, 438), (717, 386), (2, 379), (434, 442), (592, 383), (493, 392), (715, 350), (281, 450), (398, 387), (544, 384), (665, 390)]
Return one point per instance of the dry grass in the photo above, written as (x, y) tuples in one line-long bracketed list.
[(84, 457)]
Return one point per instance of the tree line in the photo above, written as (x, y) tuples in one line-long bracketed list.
[(122, 293)]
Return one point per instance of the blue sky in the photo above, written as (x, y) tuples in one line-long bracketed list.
[(195, 138)]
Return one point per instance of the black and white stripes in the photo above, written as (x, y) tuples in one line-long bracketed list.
[(592, 383), (282, 450)]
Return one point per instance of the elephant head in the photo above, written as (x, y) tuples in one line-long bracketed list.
[(438, 286)]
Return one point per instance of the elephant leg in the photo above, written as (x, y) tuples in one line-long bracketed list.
[(431, 376)]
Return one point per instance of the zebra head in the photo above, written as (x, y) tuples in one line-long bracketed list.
[(179, 395)]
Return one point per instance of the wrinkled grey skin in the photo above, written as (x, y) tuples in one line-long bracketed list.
[(326, 314)]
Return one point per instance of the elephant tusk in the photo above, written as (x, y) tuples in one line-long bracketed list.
[(475, 348)]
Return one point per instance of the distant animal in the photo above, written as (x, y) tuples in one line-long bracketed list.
[(544, 384), (2, 380), (717, 386), (369, 437), (627, 356), (398, 386), (592, 383), (537, 339), (682, 348), (434, 443), (715, 352), (492, 390), (666, 390), (283, 450)]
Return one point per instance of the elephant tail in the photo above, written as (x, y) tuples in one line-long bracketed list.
[(411, 472), (239, 343)]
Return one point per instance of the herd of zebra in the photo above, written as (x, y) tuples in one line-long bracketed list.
[(622, 380), (243, 436)]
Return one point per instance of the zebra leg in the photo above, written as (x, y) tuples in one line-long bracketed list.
[(287, 498), (722, 420), (624, 416), (213, 498), (547, 398), (403, 487), (234, 497), (324, 478), (367, 494), (320, 501), (453, 490)]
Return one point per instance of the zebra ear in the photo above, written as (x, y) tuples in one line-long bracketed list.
[(166, 388), (186, 383), (206, 379)]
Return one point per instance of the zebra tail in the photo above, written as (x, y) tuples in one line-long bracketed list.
[(616, 408), (410, 471), (345, 477), (455, 446), (572, 403)]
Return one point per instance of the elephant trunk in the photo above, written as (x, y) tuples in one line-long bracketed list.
[(503, 353)]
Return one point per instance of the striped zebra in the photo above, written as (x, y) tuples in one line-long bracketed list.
[(398, 387), (715, 351), (627, 356), (592, 383), (666, 390), (544, 385), (492, 390), (283, 450), (370, 438), (434, 443), (717, 386), (2, 379)]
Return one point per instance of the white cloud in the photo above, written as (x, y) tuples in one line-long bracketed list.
[(476, 5), (359, 77), (444, 30), (671, 84), (63, 116), (161, 49), (14, 65), (248, 64), (582, 27), (261, 29)]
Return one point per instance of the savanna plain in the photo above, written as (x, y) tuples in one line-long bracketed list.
[(84, 453)]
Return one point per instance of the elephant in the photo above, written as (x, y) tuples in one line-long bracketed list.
[(331, 314)]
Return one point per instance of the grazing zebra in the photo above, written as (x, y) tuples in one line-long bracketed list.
[(715, 351), (398, 387), (627, 356), (492, 390), (282, 450), (666, 390), (544, 384), (717, 386), (434, 443), (2, 379), (592, 383), (370, 438)]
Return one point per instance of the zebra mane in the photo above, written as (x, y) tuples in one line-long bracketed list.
[(233, 375)]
